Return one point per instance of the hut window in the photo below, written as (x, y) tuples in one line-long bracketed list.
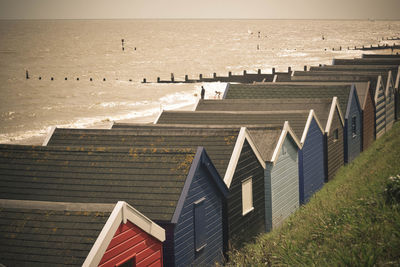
[(200, 224), (247, 196), (354, 126), (336, 135)]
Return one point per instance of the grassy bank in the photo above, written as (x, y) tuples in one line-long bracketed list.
[(347, 223)]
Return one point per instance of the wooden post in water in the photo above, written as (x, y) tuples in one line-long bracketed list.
[(244, 73), (259, 71), (144, 80), (172, 77), (214, 75), (289, 69), (158, 79), (273, 70), (27, 75), (200, 77), (305, 67), (186, 78), (230, 74)]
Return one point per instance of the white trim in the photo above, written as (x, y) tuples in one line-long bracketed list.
[(396, 85), (389, 82), (235, 157), (121, 212), (49, 135), (378, 86), (158, 117), (230, 170), (255, 149), (308, 123), (275, 78), (286, 130), (334, 106), (279, 145)]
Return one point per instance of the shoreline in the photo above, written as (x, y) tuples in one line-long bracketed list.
[(39, 139)]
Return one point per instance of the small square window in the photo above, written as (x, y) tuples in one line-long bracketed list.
[(336, 135), (131, 262), (247, 196)]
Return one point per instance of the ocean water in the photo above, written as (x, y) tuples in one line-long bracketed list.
[(84, 49)]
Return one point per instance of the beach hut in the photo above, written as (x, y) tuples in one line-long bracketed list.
[(384, 97), (365, 98), (232, 151), (305, 124), (42, 233), (172, 187), (381, 60), (346, 93), (280, 153), (377, 88)]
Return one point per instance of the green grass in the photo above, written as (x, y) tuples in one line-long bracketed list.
[(347, 223)]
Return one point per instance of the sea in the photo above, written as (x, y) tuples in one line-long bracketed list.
[(89, 73)]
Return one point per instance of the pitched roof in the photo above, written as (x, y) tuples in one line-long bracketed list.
[(245, 119), (362, 84), (40, 234), (150, 179), (292, 90), (219, 142), (62, 233), (321, 106), (373, 77)]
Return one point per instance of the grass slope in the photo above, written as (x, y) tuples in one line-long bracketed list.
[(347, 223)]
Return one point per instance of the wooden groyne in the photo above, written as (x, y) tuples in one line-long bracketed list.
[(235, 78), (370, 47)]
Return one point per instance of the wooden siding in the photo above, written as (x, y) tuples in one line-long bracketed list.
[(368, 126), (130, 241), (311, 163), (390, 107), (380, 112), (335, 153), (242, 228), (285, 184), (352, 142), (184, 239)]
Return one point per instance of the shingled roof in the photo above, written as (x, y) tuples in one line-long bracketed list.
[(373, 77), (321, 106), (245, 119), (292, 90), (42, 234), (150, 179), (218, 142)]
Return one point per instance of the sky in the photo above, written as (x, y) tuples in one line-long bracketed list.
[(202, 9)]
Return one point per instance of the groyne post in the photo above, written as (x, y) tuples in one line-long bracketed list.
[(259, 71), (230, 74), (214, 75), (158, 79), (27, 75), (273, 70), (200, 77), (186, 78), (172, 77)]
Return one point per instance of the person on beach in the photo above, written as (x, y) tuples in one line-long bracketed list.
[(203, 91)]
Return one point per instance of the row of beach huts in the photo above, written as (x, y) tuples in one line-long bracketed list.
[(185, 190)]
